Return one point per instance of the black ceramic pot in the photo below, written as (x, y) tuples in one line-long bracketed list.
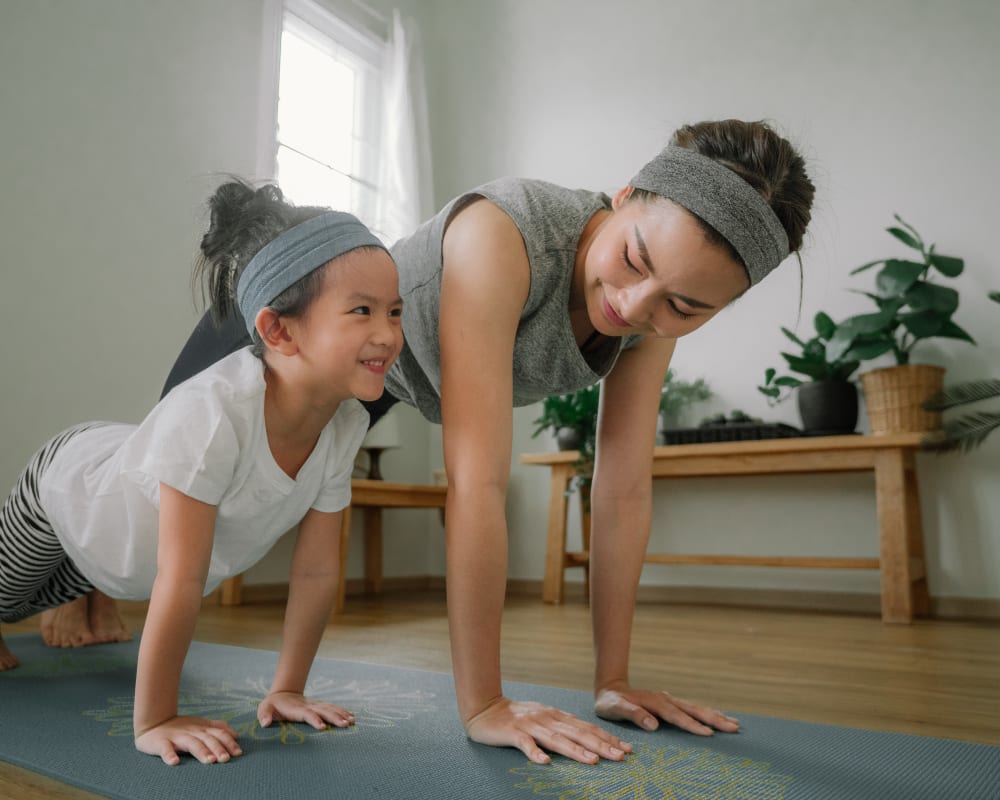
[(828, 407), (568, 439)]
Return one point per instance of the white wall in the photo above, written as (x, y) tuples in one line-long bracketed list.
[(119, 117), (894, 105)]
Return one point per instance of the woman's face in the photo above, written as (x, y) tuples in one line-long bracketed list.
[(649, 270)]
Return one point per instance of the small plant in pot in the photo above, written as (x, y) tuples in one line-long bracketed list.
[(677, 396), (912, 307), (572, 418), (827, 398)]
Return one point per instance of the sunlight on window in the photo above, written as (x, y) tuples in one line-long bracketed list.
[(316, 122)]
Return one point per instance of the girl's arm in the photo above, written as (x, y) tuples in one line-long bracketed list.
[(186, 534), (621, 517), (312, 591), (484, 288)]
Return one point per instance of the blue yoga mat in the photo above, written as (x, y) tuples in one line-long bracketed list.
[(68, 714)]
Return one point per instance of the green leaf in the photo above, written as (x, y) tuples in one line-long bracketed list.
[(844, 370), (961, 393), (866, 351), (952, 331), (924, 324), (769, 391), (866, 323), (906, 238), (824, 325), (897, 276), (869, 265), (947, 265), (994, 296), (908, 226), (924, 296), (965, 433), (793, 337), (789, 381), (769, 374)]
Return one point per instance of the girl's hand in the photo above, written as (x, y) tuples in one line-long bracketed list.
[(295, 707), (645, 708), (209, 740), (531, 726)]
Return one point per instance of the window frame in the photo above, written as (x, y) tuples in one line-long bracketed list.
[(359, 46)]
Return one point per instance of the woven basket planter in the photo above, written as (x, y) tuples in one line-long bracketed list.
[(894, 397)]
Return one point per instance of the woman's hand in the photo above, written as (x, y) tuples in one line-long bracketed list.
[(646, 708), (295, 707), (211, 741), (531, 726)]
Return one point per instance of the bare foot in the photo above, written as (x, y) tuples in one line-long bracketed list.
[(7, 658), (105, 623), (67, 625)]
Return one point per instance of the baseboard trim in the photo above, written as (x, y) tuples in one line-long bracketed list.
[(967, 608)]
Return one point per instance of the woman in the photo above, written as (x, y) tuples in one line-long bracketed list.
[(519, 290)]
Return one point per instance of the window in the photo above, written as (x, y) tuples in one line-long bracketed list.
[(329, 87)]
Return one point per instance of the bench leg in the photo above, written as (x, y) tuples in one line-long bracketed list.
[(585, 537), (373, 550), (555, 548), (345, 540), (901, 556), (232, 591)]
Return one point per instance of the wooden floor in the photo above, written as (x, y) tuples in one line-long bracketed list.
[(933, 678)]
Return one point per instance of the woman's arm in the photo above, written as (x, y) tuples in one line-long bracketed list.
[(484, 288), (621, 518), (186, 535), (312, 591)]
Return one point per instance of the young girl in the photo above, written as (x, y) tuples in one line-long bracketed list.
[(520, 289), (226, 463)]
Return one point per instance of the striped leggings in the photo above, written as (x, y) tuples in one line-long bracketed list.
[(35, 572)]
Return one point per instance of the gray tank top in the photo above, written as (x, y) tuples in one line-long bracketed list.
[(547, 360)]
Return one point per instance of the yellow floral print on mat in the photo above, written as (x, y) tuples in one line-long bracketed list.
[(376, 704), (662, 773)]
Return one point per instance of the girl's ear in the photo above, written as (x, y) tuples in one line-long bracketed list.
[(274, 332), (620, 197)]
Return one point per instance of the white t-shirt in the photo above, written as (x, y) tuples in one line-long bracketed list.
[(207, 439)]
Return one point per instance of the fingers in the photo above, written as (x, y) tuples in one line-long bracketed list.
[(209, 741), (645, 708), (530, 727), (300, 709), (709, 716), (169, 755)]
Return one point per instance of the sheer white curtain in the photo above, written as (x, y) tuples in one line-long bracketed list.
[(406, 196)]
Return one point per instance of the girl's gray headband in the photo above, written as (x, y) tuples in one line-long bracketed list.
[(294, 254), (722, 199)]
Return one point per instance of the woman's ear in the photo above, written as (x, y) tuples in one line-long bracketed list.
[(274, 332)]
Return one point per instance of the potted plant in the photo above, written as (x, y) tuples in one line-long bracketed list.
[(912, 307), (677, 395), (970, 430), (572, 418), (827, 398)]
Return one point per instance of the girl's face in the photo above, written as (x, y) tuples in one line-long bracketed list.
[(352, 332), (650, 270)]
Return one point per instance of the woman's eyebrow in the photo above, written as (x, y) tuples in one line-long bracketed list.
[(644, 255)]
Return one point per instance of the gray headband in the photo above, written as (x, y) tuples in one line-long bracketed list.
[(294, 254), (724, 200)]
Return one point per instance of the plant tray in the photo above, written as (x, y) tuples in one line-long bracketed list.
[(730, 432)]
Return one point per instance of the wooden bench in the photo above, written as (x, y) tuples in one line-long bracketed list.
[(890, 457), (372, 496)]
